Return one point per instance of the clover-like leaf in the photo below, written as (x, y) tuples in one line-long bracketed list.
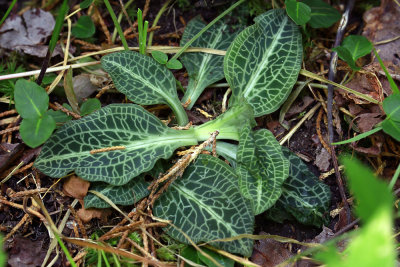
[(31, 100), (299, 12), (127, 194), (303, 195), (35, 131), (140, 139), (263, 62), (206, 204), (204, 69), (322, 14), (261, 167), (144, 81), (84, 27)]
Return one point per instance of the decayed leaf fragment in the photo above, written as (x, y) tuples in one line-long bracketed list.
[(76, 187)]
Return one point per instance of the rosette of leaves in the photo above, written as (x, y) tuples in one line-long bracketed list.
[(204, 69), (121, 141)]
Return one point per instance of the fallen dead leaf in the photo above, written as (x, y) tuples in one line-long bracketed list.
[(322, 160), (8, 153), (367, 121), (269, 253), (83, 86), (88, 214), (381, 24), (28, 33), (25, 252), (299, 107), (76, 187), (366, 83)]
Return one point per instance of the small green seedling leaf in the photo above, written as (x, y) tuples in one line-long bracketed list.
[(261, 167), (90, 106), (352, 48), (206, 204), (251, 64), (84, 27), (85, 4), (59, 116), (174, 64), (322, 14), (304, 197), (299, 12), (35, 131), (48, 78), (31, 100), (204, 69), (127, 194), (190, 253), (141, 136), (161, 57)]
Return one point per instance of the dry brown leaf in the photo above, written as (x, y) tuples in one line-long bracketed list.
[(322, 160), (367, 121), (25, 252), (269, 253), (299, 106), (382, 23), (76, 187), (366, 83), (8, 153), (87, 214)]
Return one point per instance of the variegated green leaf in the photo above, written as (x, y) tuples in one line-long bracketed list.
[(127, 194), (263, 62), (206, 204), (144, 137), (261, 167), (204, 69), (303, 195), (144, 81)]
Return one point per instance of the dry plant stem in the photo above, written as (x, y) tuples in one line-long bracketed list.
[(331, 77), (26, 167), (103, 26), (21, 207), (79, 221), (318, 128), (68, 112), (9, 130), (86, 45), (8, 112), (297, 126), (27, 193), (12, 173), (126, 15), (16, 227)]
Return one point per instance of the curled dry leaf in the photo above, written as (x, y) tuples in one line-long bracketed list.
[(76, 187), (269, 252), (88, 214), (366, 83), (367, 121)]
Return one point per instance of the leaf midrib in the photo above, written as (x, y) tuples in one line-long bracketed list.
[(143, 143), (265, 59)]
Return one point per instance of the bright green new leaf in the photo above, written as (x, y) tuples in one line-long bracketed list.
[(174, 64), (161, 57), (263, 62), (89, 106), (35, 131), (31, 100), (222, 260), (322, 14), (374, 245), (352, 48), (142, 136), (190, 253), (299, 12), (358, 46), (127, 194), (391, 125), (84, 27), (144, 81), (345, 55), (303, 196), (204, 69), (206, 204), (261, 168)]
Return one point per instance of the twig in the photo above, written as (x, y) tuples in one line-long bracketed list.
[(9, 130), (331, 77)]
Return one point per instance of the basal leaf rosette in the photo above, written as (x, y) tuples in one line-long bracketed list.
[(206, 204), (263, 62)]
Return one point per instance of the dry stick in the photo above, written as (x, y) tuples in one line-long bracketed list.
[(18, 206), (8, 112), (9, 130), (126, 15), (331, 77), (16, 227)]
